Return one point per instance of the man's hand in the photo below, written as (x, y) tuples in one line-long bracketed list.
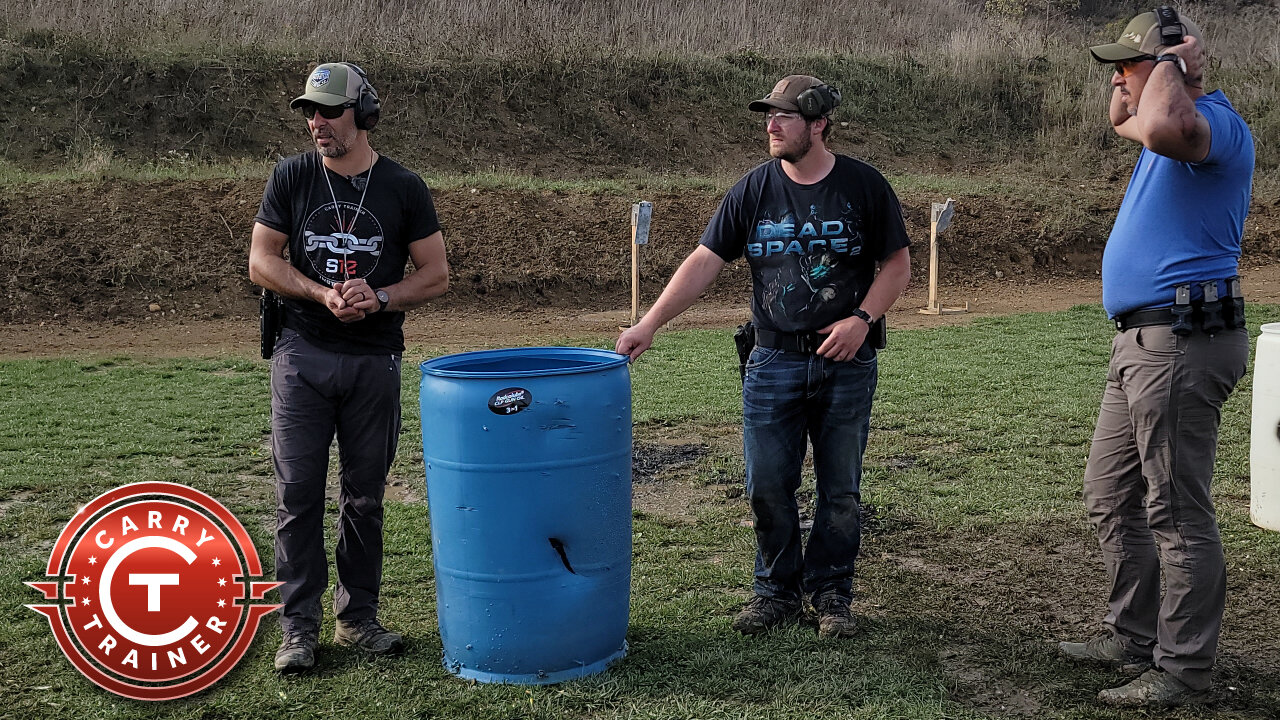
[(340, 308), (1193, 55), (358, 294), (634, 341), (843, 339)]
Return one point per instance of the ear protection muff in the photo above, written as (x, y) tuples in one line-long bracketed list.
[(1171, 28), (818, 100), (368, 106)]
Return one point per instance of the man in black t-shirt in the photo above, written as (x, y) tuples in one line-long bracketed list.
[(331, 238), (813, 227)]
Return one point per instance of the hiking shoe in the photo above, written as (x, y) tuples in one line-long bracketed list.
[(298, 651), (368, 635), (1154, 688), (835, 620), (763, 613), (1106, 649)]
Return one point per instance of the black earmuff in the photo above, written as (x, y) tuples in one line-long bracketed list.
[(368, 106), (817, 101), (1171, 28)]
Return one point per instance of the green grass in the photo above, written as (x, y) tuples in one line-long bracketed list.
[(116, 168), (976, 559)]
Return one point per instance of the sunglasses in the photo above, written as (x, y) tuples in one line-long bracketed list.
[(328, 112), (1128, 67)]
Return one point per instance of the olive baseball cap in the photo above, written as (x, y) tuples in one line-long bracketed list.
[(784, 94), (330, 84), (1141, 38)]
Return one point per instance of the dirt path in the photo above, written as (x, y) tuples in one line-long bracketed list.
[(464, 328)]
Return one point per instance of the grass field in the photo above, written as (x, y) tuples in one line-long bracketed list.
[(976, 555)]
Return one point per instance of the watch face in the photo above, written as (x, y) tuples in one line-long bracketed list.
[(383, 297)]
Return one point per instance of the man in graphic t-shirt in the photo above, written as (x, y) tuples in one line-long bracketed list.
[(814, 227), (332, 237), (1169, 283)]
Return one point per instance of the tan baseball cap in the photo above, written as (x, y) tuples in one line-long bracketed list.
[(784, 94), (1141, 38), (330, 84)]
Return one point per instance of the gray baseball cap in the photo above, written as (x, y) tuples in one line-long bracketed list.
[(1141, 38), (330, 84)]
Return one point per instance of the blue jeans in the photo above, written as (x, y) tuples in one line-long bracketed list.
[(786, 398)]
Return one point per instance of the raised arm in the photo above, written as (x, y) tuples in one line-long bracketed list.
[(1167, 121)]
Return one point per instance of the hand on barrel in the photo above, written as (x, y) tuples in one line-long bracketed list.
[(634, 341)]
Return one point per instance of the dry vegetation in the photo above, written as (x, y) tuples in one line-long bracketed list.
[(926, 75), (157, 120)]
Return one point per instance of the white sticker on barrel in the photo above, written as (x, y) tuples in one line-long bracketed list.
[(510, 401)]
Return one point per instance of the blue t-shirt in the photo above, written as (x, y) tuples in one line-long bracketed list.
[(812, 249), (1181, 222)]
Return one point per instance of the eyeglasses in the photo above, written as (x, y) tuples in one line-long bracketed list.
[(781, 116), (328, 112), (1125, 68)]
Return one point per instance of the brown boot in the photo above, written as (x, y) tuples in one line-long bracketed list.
[(297, 653), (1155, 688), (835, 619), (1107, 650), (763, 614), (368, 635)]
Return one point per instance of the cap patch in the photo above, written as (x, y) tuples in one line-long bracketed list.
[(1135, 37), (320, 77)]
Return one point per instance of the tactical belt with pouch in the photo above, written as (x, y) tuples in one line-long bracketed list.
[(270, 321), (1211, 313), (747, 336)]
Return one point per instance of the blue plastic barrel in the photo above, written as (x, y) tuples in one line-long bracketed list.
[(528, 464)]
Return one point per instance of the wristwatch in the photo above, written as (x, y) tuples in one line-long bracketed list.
[(863, 314), (1173, 58), (383, 299)]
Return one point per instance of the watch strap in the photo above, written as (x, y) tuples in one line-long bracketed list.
[(863, 314), (1175, 59)]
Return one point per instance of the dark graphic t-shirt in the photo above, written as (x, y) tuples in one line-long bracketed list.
[(330, 244), (812, 248)]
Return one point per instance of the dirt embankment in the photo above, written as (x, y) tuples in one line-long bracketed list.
[(101, 250), (109, 249)]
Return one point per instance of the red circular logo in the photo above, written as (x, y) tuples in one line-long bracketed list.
[(153, 590)]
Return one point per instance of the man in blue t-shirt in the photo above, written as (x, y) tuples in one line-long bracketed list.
[(331, 238), (813, 227), (1169, 282)]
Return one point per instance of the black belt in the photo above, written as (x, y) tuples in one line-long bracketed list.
[(792, 342), (1165, 316), (1144, 318)]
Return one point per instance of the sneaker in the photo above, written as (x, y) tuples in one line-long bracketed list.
[(764, 613), (368, 635), (835, 619), (1154, 688), (298, 651), (1106, 649)]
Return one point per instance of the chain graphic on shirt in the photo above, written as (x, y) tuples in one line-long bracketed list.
[(341, 250)]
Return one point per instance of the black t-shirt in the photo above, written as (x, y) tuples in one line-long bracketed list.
[(333, 244), (812, 248)]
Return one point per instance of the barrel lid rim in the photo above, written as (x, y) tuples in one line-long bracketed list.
[(1271, 328), (608, 359)]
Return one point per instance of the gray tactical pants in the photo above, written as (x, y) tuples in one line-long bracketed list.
[(1146, 489), (316, 394)]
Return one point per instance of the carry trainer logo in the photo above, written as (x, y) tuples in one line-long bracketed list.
[(152, 590)]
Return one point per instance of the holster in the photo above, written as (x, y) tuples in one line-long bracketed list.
[(270, 321), (744, 338), (879, 333)]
